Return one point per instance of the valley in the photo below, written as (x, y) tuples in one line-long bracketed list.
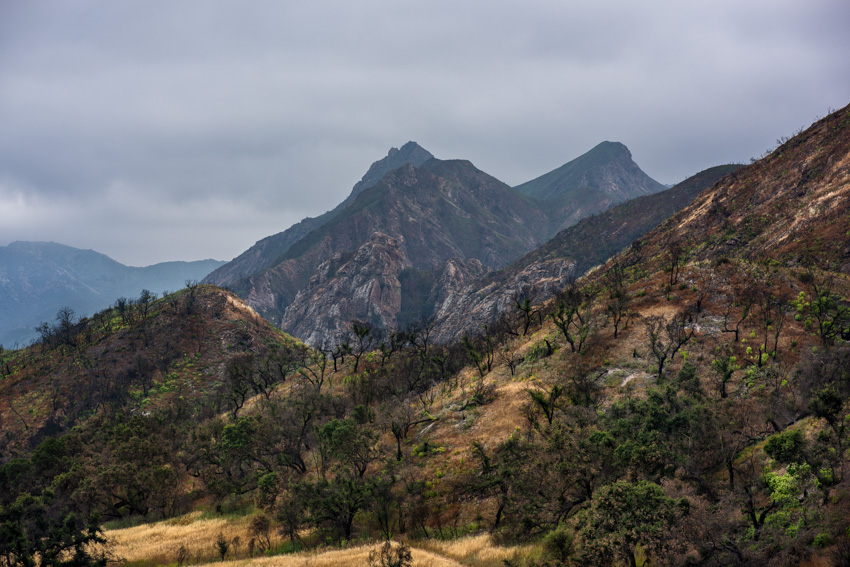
[(585, 369)]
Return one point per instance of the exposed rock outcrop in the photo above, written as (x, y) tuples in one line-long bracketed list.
[(571, 253), (265, 253)]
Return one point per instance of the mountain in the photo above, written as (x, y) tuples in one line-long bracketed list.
[(690, 408), (408, 236), (568, 255), (591, 183), (37, 278), (265, 252), (414, 218)]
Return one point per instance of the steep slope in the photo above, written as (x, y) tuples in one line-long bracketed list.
[(569, 254), (792, 207), (37, 278), (591, 183), (414, 218), (670, 438), (267, 251), (161, 356)]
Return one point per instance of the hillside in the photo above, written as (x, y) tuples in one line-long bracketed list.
[(145, 353), (790, 207), (37, 278), (541, 273), (685, 402)]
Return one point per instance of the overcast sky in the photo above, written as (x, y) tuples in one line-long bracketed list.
[(181, 130)]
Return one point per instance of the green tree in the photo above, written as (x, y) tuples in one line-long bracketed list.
[(335, 503), (573, 314), (353, 445), (42, 531), (831, 313), (623, 516), (725, 366)]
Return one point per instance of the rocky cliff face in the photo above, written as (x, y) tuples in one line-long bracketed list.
[(362, 284), (415, 218), (265, 253), (370, 284)]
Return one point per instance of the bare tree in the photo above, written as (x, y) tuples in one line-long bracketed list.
[(573, 314), (619, 298), (400, 418), (674, 249), (772, 310), (313, 365), (362, 340), (742, 299), (527, 311), (706, 284), (65, 320), (667, 337), (146, 299), (508, 354)]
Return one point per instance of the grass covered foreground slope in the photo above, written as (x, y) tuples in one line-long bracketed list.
[(682, 404)]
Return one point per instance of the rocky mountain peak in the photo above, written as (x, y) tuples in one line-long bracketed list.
[(410, 153), (265, 252), (607, 168)]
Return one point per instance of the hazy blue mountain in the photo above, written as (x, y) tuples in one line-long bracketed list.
[(37, 278)]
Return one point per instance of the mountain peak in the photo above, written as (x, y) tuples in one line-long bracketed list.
[(607, 168), (411, 153), (612, 149)]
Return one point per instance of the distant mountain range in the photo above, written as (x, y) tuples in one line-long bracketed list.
[(37, 278), (414, 230), (417, 237)]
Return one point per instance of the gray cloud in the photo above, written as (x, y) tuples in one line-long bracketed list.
[(194, 129)]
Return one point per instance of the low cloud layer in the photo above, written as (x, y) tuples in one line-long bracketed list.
[(194, 129)]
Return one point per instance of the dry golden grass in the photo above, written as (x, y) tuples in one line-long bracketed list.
[(157, 544), (339, 558), (476, 550)]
